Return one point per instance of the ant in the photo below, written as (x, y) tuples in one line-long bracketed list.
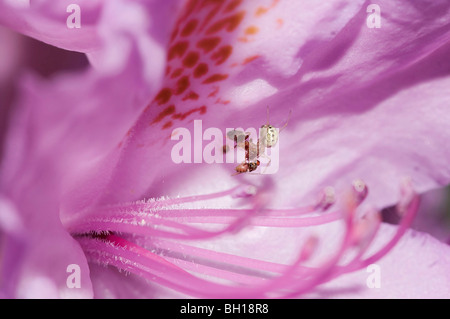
[(268, 137)]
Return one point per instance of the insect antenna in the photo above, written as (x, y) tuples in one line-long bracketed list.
[(285, 124)]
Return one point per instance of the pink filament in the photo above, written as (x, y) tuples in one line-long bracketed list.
[(158, 218), (244, 277)]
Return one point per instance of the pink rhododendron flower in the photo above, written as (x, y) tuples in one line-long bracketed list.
[(92, 203)]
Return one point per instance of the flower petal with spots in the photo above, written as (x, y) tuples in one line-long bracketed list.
[(360, 104)]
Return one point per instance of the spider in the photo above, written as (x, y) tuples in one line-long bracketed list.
[(268, 137)]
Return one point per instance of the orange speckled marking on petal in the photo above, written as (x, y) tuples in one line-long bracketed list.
[(190, 7), (229, 23), (177, 50), (206, 3), (201, 70), (219, 100), (208, 44), (202, 109), (222, 54), (215, 78), (262, 10), (243, 39), (191, 96), (214, 91), (167, 125), (280, 22), (163, 96), (252, 30), (181, 116), (189, 28), (182, 84), (250, 59), (211, 14), (198, 44), (176, 73), (232, 5), (191, 59), (167, 111), (168, 69)]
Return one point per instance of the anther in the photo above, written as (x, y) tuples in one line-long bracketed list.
[(244, 191), (407, 196), (360, 190), (326, 199)]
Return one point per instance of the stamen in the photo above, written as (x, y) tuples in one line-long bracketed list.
[(130, 257), (411, 207), (322, 273), (407, 196), (256, 220), (244, 191), (144, 217), (366, 228), (326, 199), (309, 248), (360, 190), (102, 233), (224, 258), (233, 192), (150, 266)]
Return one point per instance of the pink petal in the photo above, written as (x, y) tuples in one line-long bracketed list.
[(56, 133), (432, 215), (415, 269), (200, 95), (330, 139), (340, 97), (46, 21)]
